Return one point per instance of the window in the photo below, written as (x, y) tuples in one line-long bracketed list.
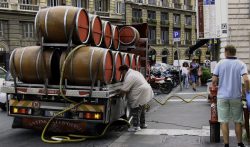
[(176, 19), (25, 2), (53, 3), (187, 2), (1, 28), (164, 16), (152, 35), (80, 3), (28, 30), (101, 5), (164, 35), (119, 7), (151, 15), (137, 13), (188, 20), (176, 1), (188, 37), (152, 2)]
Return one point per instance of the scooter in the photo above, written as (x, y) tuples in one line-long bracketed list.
[(160, 83)]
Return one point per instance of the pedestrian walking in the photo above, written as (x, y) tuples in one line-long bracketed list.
[(185, 74), (227, 74), (194, 73), (199, 75), (138, 93)]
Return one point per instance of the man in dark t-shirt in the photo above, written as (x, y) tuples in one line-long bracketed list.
[(194, 73)]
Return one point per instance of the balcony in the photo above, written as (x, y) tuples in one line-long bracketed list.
[(102, 13), (138, 1), (152, 41), (188, 7), (177, 5), (152, 21), (137, 20), (164, 42), (164, 4), (188, 25), (187, 42), (164, 23), (4, 5), (177, 25), (28, 7)]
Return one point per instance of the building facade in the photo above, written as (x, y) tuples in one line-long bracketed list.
[(17, 19), (165, 17), (239, 29)]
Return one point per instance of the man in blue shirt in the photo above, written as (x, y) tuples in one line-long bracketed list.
[(228, 73)]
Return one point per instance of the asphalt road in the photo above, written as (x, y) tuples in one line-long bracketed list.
[(175, 124)]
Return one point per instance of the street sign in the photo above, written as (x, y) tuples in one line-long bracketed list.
[(177, 36), (212, 19)]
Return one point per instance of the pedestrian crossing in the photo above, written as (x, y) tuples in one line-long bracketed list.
[(205, 132)]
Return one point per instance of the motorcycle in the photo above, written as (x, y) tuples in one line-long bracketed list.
[(158, 82)]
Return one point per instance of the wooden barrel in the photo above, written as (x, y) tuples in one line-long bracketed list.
[(107, 34), (81, 68), (125, 59), (132, 61), (115, 38), (129, 35), (95, 30), (56, 23), (117, 63), (138, 63), (27, 64)]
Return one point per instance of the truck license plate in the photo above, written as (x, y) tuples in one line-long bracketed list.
[(52, 113)]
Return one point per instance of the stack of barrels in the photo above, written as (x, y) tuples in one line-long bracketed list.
[(96, 56)]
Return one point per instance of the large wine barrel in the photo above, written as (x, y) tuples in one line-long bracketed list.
[(138, 63), (81, 68), (95, 30), (125, 59), (117, 63), (107, 34), (56, 23), (27, 64), (132, 61), (129, 35), (115, 38)]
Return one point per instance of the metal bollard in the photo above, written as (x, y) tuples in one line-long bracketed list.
[(214, 124)]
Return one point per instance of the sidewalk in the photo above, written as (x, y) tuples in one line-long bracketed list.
[(176, 124)]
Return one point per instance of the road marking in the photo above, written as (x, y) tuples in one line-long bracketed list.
[(194, 93), (194, 100), (205, 131)]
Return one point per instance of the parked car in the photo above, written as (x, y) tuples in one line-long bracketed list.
[(3, 75)]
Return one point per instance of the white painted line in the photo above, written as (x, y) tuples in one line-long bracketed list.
[(195, 93), (194, 100), (205, 131)]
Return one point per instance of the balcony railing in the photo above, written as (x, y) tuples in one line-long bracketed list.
[(136, 20), (164, 4), (164, 41), (164, 22), (152, 21), (188, 7), (177, 25), (188, 25), (177, 5), (4, 5), (188, 42), (28, 7), (102, 13), (152, 41)]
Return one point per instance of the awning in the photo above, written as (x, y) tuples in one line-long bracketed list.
[(198, 44)]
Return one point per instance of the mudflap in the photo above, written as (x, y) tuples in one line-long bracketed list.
[(60, 126)]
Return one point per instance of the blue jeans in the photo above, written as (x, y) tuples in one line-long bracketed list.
[(185, 80)]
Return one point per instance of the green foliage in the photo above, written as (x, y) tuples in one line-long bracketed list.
[(206, 74)]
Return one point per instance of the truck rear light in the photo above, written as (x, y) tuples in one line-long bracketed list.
[(27, 111), (90, 115)]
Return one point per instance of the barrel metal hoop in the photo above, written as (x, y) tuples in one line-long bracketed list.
[(36, 23), (37, 63), (65, 23), (133, 38), (90, 63), (76, 25), (46, 23), (21, 60)]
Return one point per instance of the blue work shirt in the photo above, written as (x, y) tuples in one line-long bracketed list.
[(229, 72)]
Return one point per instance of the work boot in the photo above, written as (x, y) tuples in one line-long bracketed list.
[(241, 145), (144, 126), (134, 129)]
